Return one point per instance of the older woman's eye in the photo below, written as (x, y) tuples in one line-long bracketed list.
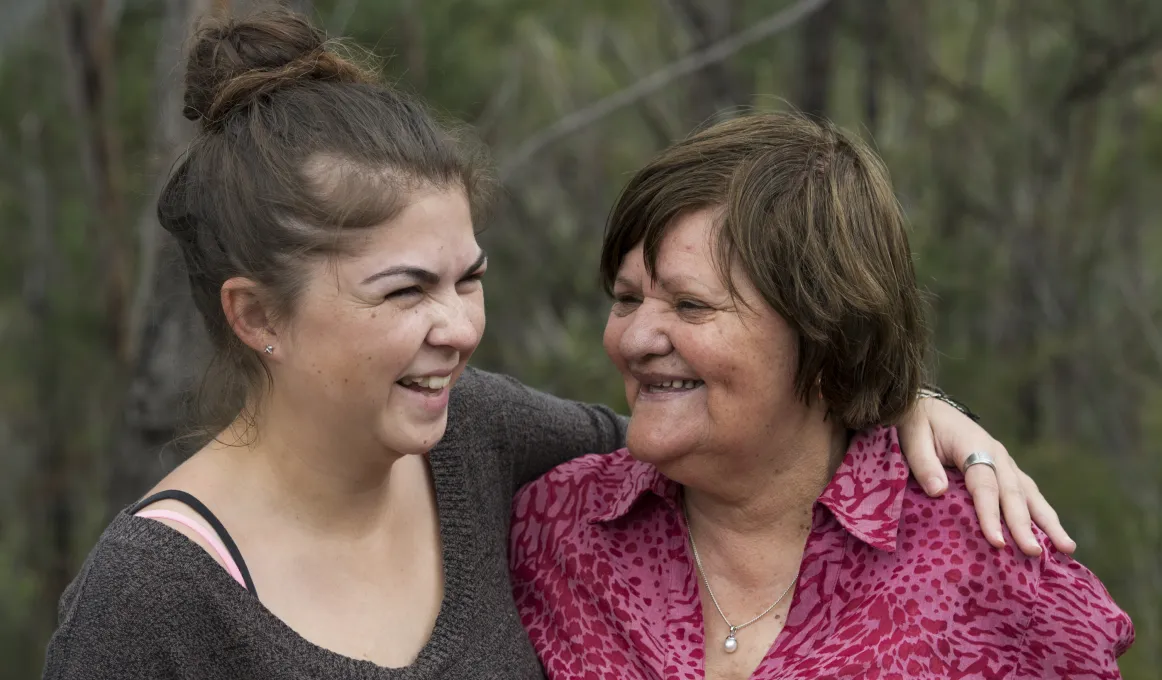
[(690, 306), (625, 303)]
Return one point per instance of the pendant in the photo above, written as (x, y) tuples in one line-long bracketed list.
[(731, 644)]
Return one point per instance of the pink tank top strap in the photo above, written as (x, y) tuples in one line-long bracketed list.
[(205, 533)]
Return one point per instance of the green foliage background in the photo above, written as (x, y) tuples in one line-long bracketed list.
[(1024, 137)]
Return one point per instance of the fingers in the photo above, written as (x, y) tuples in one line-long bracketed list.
[(920, 451), (1008, 482), (982, 484), (1045, 516), (935, 434), (1015, 506)]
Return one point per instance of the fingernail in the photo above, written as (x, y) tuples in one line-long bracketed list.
[(935, 484)]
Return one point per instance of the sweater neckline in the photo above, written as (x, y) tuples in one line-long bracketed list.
[(459, 548)]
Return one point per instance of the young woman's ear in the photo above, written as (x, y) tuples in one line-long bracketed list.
[(248, 315)]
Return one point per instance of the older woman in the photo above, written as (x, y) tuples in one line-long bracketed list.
[(762, 522)]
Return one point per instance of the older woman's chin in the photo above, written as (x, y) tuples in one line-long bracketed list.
[(659, 445)]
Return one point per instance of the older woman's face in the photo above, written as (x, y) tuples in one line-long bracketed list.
[(704, 373)]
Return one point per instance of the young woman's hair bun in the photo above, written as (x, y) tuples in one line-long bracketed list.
[(233, 62)]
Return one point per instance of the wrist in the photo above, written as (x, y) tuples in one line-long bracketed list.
[(933, 392)]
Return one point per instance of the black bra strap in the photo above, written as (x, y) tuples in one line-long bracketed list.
[(200, 508)]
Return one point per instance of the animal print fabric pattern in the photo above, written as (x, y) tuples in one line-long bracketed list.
[(893, 584)]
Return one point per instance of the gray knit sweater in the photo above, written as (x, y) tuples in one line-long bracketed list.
[(149, 603)]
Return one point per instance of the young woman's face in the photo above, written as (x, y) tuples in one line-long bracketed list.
[(379, 337)]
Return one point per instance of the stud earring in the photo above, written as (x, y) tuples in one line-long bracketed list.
[(269, 349)]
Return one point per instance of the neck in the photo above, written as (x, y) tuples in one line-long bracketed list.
[(323, 478), (741, 505)]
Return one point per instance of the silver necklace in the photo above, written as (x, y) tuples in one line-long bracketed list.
[(731, 642)]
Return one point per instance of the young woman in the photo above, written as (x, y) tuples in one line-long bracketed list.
[(327, 224)]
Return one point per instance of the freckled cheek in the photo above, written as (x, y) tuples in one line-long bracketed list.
[(738, 378), (708, 352), (363, 355)]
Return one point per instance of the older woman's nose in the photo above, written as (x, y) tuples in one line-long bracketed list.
[(645, 335)]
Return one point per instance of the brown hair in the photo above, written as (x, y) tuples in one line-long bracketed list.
[(297, 146), (809, 213)]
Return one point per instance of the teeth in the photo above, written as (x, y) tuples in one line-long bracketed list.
[(428, 382), (676, 384)]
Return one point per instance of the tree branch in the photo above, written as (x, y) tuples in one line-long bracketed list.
[(716, 88), (658, 118), (691, 63), (1095, 80)]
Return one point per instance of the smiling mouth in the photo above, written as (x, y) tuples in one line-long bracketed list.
[(428, 384), (671, 386)]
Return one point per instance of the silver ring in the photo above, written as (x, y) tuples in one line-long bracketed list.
[(979, 458)]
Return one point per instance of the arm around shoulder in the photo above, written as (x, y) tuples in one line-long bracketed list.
[(1075, 628), (537, 430)]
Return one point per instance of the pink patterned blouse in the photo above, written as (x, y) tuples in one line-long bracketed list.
[(893, 584)]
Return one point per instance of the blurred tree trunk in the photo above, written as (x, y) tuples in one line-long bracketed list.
[(1025, 238), (89, 66), (1134, 287), (85, 34), (51, 491), (874, 25), (413, 43), (908, 23), (818, 50), (715, 88), (168, 340)]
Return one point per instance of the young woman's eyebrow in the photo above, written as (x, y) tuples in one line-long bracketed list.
[(420, 274)]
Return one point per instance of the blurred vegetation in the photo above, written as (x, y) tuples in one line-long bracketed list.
[(1024, 136)]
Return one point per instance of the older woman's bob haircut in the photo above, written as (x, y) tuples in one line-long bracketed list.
[(808, 213)]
